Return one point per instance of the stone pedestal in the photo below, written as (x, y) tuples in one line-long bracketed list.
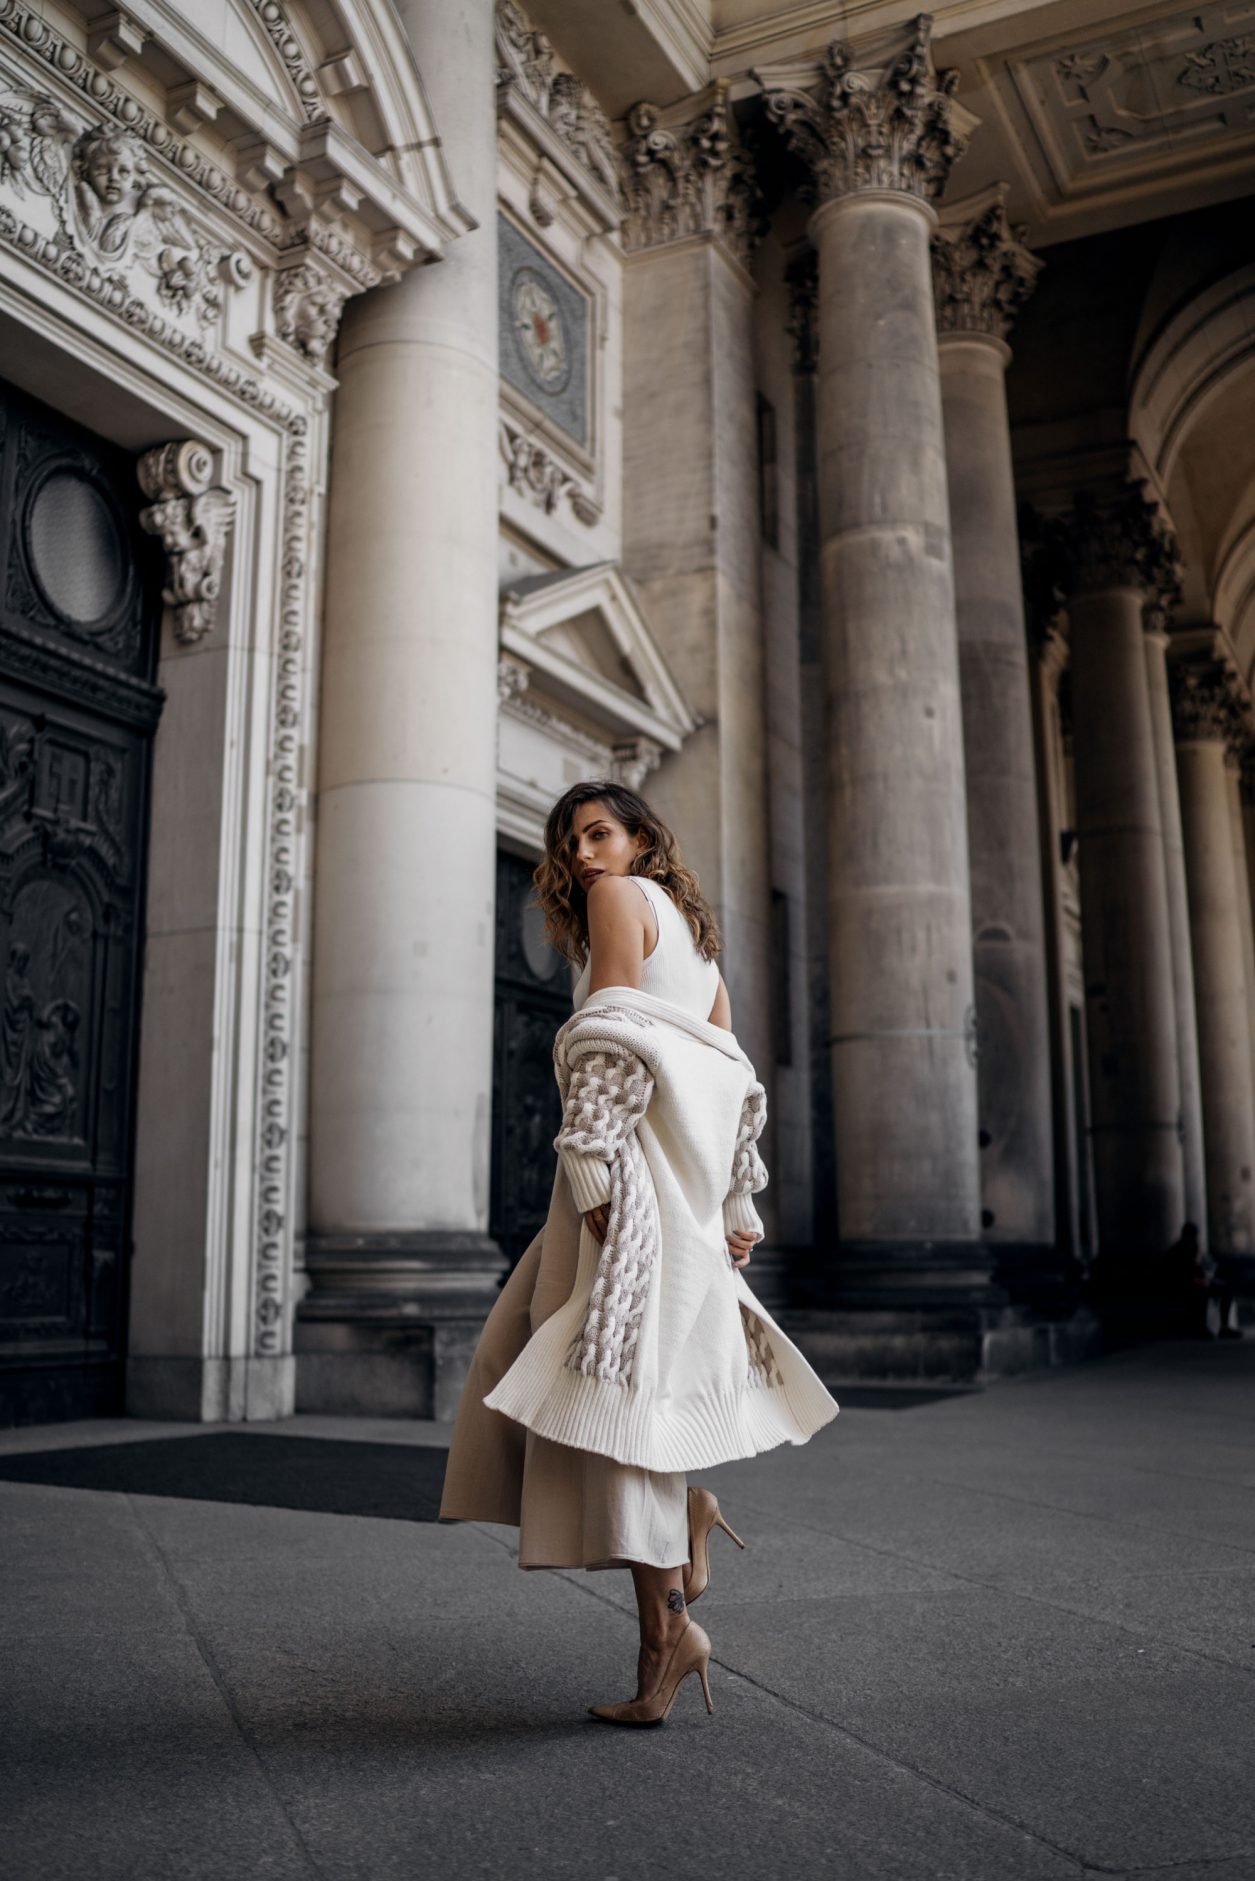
[(403, 949), (899, 915), (982, 273), (1203, 709), (1194, 1176), (1115, 559)]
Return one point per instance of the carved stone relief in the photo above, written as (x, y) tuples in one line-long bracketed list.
[(108, 206), (526, 63), (193, 520), (884, 127), (536, 475), (1119, 98), (982, 273), (308, 305), (688, 178)]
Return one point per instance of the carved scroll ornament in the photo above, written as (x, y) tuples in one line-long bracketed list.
[(192, 519)]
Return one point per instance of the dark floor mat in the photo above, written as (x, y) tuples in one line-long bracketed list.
[(894, 1397), (399, 1481)]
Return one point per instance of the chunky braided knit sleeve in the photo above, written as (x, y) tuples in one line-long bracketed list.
[(748, 1172), (608, 1093)]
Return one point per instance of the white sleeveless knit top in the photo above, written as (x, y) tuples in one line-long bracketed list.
[(674, 970)]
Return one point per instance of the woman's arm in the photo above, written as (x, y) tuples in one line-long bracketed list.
[(618, 923), (721, 1011)]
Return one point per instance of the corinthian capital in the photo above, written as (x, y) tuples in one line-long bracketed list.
[(883, 126), (682, 172), (1117, 541), (982, 272), (1206, 704)]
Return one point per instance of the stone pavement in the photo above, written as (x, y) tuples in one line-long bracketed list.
[(1004, 1635)]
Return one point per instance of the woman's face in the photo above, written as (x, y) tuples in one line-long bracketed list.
[(601, 845)]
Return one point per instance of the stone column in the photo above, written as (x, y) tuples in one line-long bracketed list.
[(982, 274), (1114, 557), (399, 1260), (1246, 807), (691, 533), (879, 144), (1194, 1173), (1239, 752), (1204, 715), (803, 325)]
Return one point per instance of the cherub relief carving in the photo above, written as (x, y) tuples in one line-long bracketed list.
[(109, 207)]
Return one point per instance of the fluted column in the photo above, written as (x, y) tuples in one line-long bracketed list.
[(1205, 718), (691, 540), (879, 144), (1115, 557), (1193, 1161), (401, 1074), (982, 275)]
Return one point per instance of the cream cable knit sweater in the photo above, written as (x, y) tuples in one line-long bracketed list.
[(648, 1347)]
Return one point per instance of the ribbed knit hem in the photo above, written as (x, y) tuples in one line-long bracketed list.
[(653, 1433), (740, 1212), (588, 1178)]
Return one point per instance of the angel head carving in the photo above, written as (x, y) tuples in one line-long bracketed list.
[(109, 163)]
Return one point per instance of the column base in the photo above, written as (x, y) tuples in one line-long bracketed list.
[(905, 1274), (210, 1390), (959, 1346), (390, 1322)]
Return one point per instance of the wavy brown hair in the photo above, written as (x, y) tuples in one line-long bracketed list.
[(561, 897)]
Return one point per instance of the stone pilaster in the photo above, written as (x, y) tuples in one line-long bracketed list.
[(1207, 720), (982, 273), (691, 539), (401, 1267), (1112, 555), (878, 143)]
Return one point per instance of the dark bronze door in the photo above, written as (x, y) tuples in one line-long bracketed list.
[(533, 997), (81, 594)]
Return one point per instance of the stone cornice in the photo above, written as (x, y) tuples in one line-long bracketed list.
[(683, 172), (892, 125), (982, 271)]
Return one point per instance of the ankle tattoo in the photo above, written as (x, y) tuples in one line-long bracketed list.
[(675, 1600)]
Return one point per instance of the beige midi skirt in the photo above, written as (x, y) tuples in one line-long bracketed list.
[(580, 1509)]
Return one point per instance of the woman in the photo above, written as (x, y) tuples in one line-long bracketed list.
[(626, 1347)]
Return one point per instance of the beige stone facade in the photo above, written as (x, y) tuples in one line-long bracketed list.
[(838, 424)]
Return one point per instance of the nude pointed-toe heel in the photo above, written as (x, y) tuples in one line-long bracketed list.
[(691, 1654), (704, 1514)]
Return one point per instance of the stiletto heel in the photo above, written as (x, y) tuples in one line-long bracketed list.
[(704, 1514), (691, 1654), (729, 1532)]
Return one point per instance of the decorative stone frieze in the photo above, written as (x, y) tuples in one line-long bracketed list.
[(193, 518), (109, 208), (802, 283), (688, 177), (1117, 541), (526, 64), (513, 678), (882, 127), (982, 273), (536, 475)]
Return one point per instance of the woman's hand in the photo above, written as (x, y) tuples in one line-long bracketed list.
[(740, 1241), (598, 1220)]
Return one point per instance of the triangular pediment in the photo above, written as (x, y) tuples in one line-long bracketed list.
[(583, 633)]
